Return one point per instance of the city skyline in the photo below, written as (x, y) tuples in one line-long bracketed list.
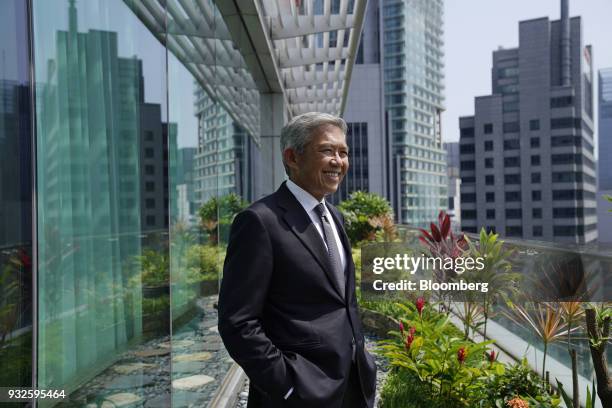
[(465, 26)]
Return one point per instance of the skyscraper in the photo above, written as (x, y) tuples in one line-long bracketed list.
[(413, 62), (365, 116), (605, 128), (220, 159), (527, 160), (604, 217)]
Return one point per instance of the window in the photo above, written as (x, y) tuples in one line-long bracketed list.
[(490, 197), (489, 180), (561, 101), (512, 178), (514, 231), (148, 135), (467, 165), (488, 145), (488, 128), (569, 122), (150, 220), (536, 195), (534, 124), (536, 213), (467, 132), (488, 163), (150, 203), (150, 186), (149, 153), (513, 196), (567, 194), (513, 144), (535, 160), (512, 161), (490, 214), (468, 197), (534, 142), (513, 213), (468, 180), (537, 230), (149, 169), (466, 148), (468, 214), (511, 127)]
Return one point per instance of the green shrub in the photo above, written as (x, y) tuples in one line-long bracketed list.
[(402, 389), (365, 214)]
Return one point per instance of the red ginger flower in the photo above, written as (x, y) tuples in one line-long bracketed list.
[(420, 303), (492, 356), (461, 355), (401, 327)]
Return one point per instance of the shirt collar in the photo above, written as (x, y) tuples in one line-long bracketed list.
[(305, 199)]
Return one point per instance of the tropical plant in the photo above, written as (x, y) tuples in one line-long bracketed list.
[(452, 367), (544, 319), (496, 271), (11, 287), (217, 214), (154, 267), (440, 242), (365, 214)]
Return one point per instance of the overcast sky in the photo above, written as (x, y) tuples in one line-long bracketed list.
[(475, 28)]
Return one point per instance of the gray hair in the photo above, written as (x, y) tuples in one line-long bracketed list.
[(299, 131)]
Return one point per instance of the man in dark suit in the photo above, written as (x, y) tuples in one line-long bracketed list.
[(287, 307)]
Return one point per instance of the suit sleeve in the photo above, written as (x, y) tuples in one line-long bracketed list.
[(246, 276)]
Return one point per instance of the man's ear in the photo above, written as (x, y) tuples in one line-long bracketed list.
[(290, 158)]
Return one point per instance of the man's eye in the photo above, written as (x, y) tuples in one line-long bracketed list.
[(344, 154)]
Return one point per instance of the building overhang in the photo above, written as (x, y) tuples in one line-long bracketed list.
[(239, 49)]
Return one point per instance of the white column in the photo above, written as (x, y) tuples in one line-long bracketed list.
[(273, 117)]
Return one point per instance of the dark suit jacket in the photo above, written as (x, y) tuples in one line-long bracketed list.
[(281, 317)]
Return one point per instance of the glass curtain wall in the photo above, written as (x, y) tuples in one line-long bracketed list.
[(141, 167), (15, 198)]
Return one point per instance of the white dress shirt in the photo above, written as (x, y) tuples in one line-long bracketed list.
[(309, 203)]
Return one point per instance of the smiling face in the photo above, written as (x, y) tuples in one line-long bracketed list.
[(323, 164)]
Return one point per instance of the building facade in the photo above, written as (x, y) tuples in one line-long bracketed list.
[(413, 60), (454, 183), (527, 159), (367, 136), (604, 167)]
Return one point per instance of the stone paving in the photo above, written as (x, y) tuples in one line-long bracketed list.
[(141, 376), (381, 375)]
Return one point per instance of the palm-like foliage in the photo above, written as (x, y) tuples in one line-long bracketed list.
[(545, 320), (496, 272)]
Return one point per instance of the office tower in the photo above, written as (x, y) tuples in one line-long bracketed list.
[(186, 204), (413, 62), (527, 160), (454, 183), (221, 159), (605, 129), (365, 116), (604, 217)]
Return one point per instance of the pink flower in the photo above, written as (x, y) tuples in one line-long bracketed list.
[(461, 355), (492, 356), (401, 325), (420, 303)]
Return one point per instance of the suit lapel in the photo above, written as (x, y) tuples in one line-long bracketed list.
[(300, 223), (350, 266)]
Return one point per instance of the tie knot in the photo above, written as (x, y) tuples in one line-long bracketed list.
[(320, 210)]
